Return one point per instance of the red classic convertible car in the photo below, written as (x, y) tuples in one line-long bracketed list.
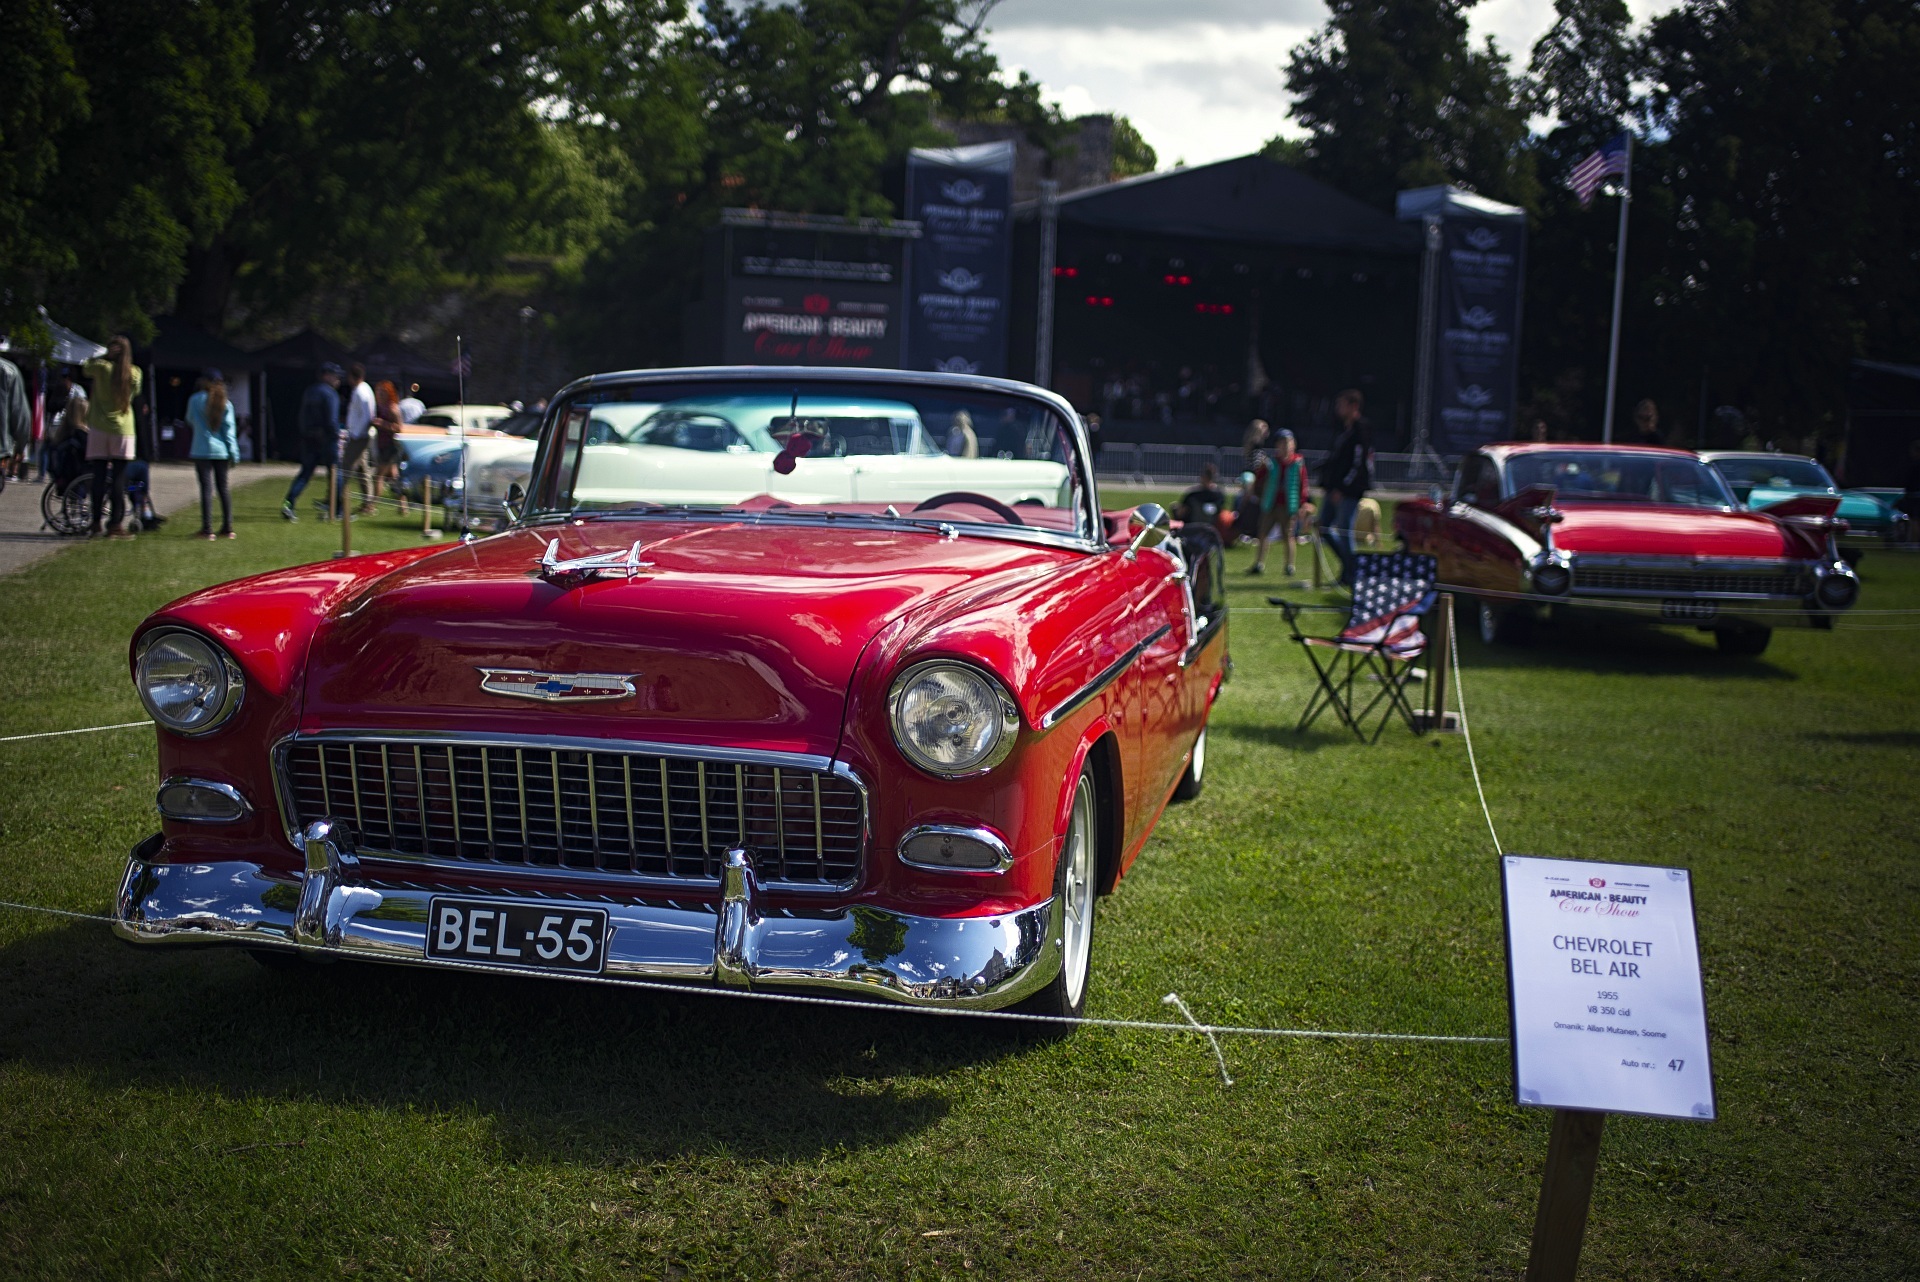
[(853, 716), (1639, 532)]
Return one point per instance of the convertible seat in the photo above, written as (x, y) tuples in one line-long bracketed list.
[(1392, 593)]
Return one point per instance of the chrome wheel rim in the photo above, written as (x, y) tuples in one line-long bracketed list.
[(1076, 893)]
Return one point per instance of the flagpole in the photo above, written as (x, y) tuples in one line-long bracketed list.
[(1619, 281)]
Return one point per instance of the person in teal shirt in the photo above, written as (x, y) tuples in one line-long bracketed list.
[(216, 447), (1283, 500)]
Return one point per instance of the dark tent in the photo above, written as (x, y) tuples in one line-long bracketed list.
[(288, 368), (173, 362), (386, 357), (1249, 201), (1188, 301), (1883, 423)]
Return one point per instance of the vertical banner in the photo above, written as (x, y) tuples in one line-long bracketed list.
[(1477, 364), (961, 278)]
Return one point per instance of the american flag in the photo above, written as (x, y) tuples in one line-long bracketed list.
[(1390, 591), (1609, 162)]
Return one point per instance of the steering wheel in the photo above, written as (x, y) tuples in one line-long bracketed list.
[(992, 505)]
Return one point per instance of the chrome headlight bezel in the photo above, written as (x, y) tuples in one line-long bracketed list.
[(225, 692), (1007, 730)]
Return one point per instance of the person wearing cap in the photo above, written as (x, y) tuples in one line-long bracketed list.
[(1282, 501), (216, 447), (319, 428)]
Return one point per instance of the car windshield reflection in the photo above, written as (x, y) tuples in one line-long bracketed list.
[(937, 454), (1624, 477)]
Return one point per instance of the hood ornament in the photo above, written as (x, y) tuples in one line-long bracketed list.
[(584, 569), (557, 687)]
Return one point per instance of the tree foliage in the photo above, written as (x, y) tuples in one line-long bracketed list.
[(1394, 95)]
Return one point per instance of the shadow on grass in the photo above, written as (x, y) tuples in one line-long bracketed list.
[(1867, 738), (1283, 735), (1615, 650), (566, 1071)]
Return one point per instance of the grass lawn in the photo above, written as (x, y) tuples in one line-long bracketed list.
[(189, 1114)]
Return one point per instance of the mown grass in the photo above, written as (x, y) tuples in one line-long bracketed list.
[(187, 1114)]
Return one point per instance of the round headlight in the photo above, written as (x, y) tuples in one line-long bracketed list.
[(1837, 591), (188, 683), (1551, 579), (952, 720)]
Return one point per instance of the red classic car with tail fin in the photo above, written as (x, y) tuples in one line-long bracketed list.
[(1639, 532), (854, 716)]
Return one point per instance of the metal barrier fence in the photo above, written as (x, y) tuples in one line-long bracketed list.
[(1161, 466)]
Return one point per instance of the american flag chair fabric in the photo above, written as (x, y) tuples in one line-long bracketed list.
[(1392, 591)]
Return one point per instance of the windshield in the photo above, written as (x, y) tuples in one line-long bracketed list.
[(1624, 477), (899, 451), (1774, 472)]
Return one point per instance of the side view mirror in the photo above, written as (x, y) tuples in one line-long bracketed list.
[(516, 500), (1150, 526)]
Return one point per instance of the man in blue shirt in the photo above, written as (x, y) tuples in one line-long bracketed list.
[(319, 433)]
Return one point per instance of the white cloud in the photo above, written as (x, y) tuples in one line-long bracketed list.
[(1202, 79)]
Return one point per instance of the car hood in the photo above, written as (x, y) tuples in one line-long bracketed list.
[(1637, 529), (736, 634)]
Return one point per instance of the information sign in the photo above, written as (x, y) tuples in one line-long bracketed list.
[(1603, 969)]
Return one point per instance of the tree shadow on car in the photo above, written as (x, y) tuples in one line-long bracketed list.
[(1614, 650), (569, 1071)]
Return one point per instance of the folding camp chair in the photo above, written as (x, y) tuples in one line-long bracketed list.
[(1391, 592)]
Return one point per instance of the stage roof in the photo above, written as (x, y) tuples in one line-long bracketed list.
[(1248, 200)]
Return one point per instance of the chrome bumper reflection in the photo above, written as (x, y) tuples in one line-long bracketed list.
[(982, 962)]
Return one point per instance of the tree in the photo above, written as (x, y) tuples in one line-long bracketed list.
[(807, 107), (1393, 96), (1787, 193), (144, 170), (1132, 155), (45, 97)]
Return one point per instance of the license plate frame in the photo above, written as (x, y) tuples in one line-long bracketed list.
[(538, 935)]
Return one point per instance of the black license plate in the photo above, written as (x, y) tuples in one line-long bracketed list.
[(1682, 608), (535, 936)]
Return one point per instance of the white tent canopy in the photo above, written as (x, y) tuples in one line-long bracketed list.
[(69, 348)]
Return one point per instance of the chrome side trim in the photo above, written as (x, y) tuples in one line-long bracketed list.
[(226, 790), (985, 836), (977, 962), (1107, 676)]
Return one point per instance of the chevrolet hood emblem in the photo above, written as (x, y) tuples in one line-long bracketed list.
[(557, 687)]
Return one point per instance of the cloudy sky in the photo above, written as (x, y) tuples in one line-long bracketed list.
[(1201, 79)]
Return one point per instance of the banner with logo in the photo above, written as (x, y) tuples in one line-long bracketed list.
[(962, 269), (812, 291), (1478, 332)]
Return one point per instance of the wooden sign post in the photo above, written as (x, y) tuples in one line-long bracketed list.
[(1434, 715), (1608, 1016)]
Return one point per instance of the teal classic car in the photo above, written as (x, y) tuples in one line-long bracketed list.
[(1761, 480)]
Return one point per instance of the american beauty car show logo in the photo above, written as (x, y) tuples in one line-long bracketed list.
[(556, 687)]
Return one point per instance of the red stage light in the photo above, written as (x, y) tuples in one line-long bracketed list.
[(1177, 280), (1066, 271), (1099, 300), (1214, 309)]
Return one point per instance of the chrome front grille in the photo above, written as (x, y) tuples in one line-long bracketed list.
[(610, 811), (1686, 580)]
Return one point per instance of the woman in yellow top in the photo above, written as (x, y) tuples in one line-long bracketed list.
[(110, 440)]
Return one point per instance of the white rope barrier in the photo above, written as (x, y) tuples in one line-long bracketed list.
[(1466, 733), (54, 734), (657, 986)]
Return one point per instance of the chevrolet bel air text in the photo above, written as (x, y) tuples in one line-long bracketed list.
[(760, 687)]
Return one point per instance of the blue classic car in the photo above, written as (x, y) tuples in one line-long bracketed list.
[(1761, 480)]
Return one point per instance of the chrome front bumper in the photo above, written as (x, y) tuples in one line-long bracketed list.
[(979, 962)]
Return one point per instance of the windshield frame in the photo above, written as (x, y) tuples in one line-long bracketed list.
[(1719, 464), (1090, 528)]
